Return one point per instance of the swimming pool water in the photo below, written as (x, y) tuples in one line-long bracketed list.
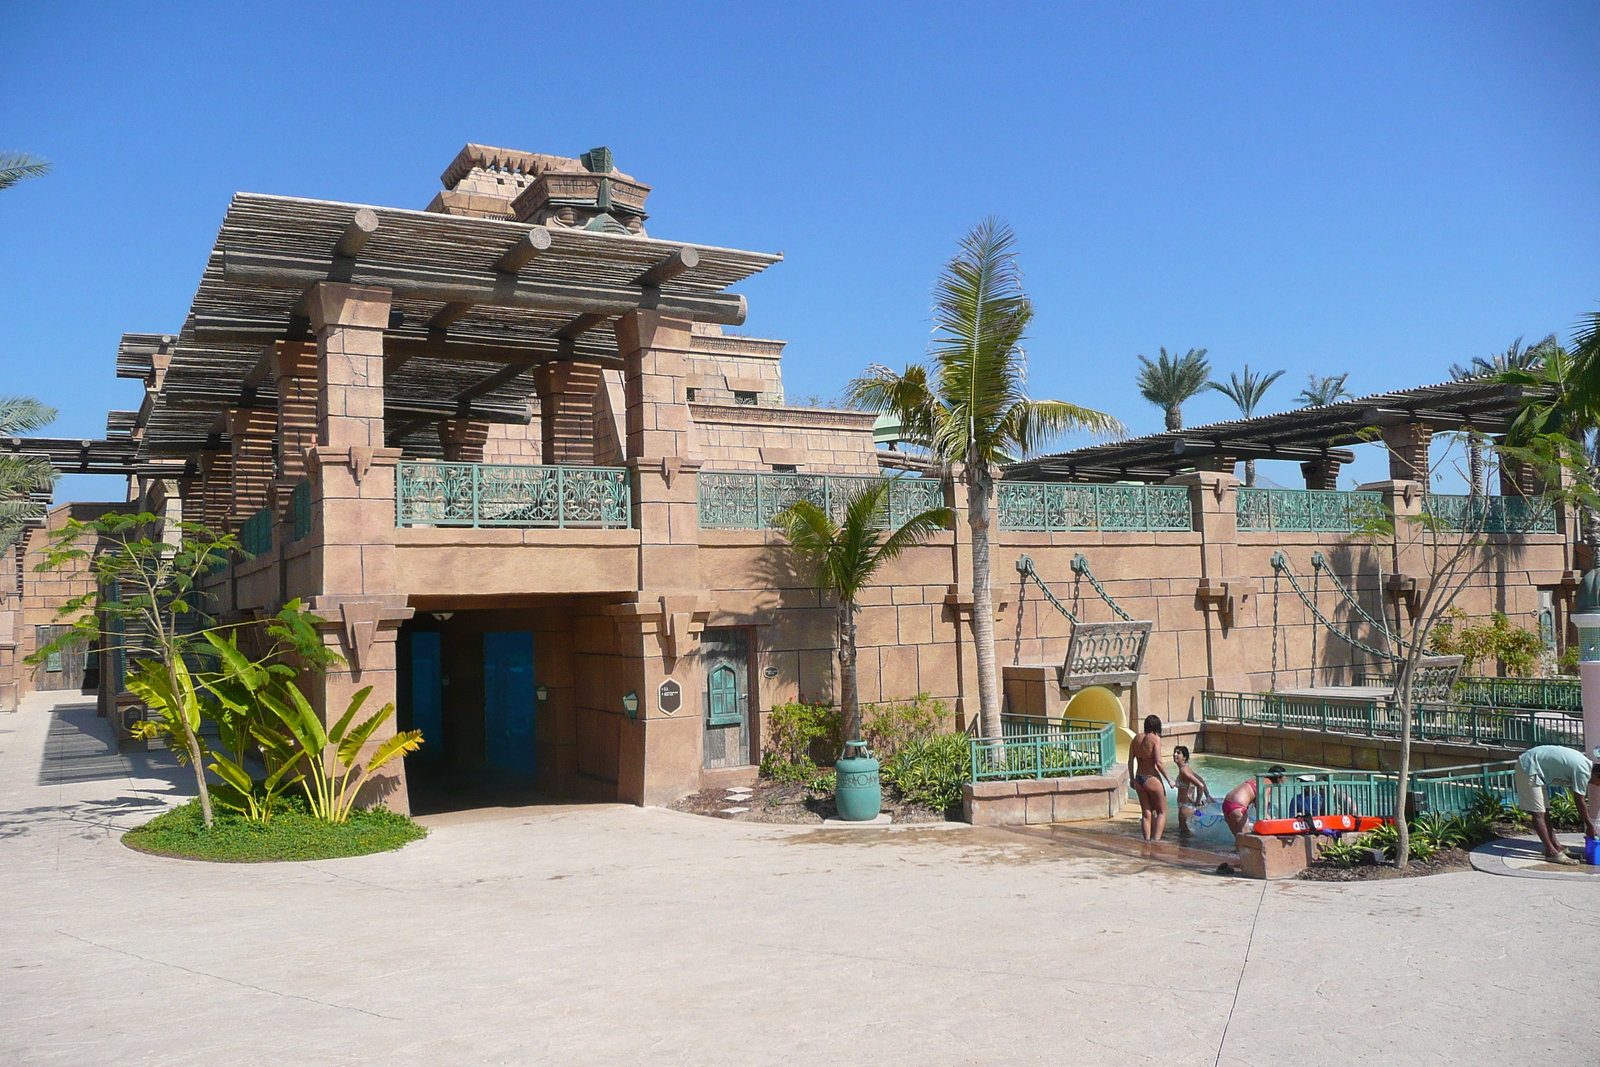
[(1221, 774)]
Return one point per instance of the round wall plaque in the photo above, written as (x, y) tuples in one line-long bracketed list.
[(670, 696)]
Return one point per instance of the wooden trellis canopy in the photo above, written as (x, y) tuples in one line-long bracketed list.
[(1314, 433), (477, 302), (74, 456)]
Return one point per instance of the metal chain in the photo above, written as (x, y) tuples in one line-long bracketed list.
[(1275, 631), (1281, 563), (1025, 568), (1320, 563), (1080, 566)]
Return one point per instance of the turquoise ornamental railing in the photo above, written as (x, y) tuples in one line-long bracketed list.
[(1491, 514), (1445, 723), (1305, 510), (255, 533), (1550, 694), (1039, 748), (485, 494), (1444, 789), (749, 501), (300, 510), (1048, 506)]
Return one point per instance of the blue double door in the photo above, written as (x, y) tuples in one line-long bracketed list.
[(464, 697)]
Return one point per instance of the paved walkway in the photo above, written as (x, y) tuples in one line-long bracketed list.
[(612, 935)]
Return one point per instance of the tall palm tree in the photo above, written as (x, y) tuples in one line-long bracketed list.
[(22, 478), (1172, 379), (1246, 391), (1324, 391), (842, 558), (972, 405), (15, 166), (1517, 357)]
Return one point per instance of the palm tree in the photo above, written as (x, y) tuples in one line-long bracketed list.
[(972, 406), (1171, 379), (1515, 358), (842, 558), (22, 478), (1324, 391), (1246, 391), (15, 166)]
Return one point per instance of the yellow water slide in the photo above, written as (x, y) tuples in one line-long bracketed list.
[(1099, 704)]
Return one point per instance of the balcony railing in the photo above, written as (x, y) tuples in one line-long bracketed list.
[(1033, 747), (1443, 723), (486, 494), (1491, 514), (749, 501), (1052, 506), (255, 533), (1306, 510)]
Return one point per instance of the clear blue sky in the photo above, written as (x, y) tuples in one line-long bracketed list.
[(1382, 189)]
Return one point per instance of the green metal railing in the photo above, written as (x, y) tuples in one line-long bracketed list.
[(1491, 514), (255, 533), (1032, 747), (1306, 510), (1049, 506), (739, 500), (1549, 694), (1451, 790), (300, 511), (1443, 723), (487, 494)]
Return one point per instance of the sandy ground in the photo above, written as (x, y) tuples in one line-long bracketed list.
[(603, 934)]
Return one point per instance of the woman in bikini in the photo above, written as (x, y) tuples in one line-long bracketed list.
[(1236, 805), (1150, 781)]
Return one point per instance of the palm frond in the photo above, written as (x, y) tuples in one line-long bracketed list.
[(1322, 391), (1246, 390), (1171, 379), (17, 166), (24, 414)]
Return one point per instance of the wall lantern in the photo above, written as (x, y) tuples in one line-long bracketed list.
[(442, 616), (541, 694), (630, 704)]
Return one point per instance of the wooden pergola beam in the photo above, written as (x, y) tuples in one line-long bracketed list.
[(682, 261), (299, 272)]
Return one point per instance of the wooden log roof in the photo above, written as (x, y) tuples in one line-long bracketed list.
[(74, 456), (1310, 433), (474, 299)]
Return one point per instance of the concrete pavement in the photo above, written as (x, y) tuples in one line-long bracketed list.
[(580, 934)]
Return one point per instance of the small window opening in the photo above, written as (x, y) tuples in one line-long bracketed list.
[(744, 399), (691, 392), (785, 468)]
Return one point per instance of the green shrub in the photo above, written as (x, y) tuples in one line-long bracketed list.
[(1562, 812), (1341, 853), (781, 770), (824, 783), (887, 728), (1440, 829), (931, 771), (1492, 809), (798, 732), (1487, 642)]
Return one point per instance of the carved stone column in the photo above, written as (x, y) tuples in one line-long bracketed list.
[(463, 439), (566, 408), (1408, 451), (1321, 473), (353, 543)]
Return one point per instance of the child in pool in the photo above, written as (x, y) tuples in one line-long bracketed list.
[(1192, 789)]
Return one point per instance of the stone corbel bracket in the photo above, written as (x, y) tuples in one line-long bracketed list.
[(1403, 588), (675, 618), (959, 601), (358, 619), (359, 458), (1225, 596)]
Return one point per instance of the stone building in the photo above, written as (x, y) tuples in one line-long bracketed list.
[(510, 449)]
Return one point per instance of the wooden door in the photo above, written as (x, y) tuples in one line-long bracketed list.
[(508, 700), (64, 668), (725, 654)]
